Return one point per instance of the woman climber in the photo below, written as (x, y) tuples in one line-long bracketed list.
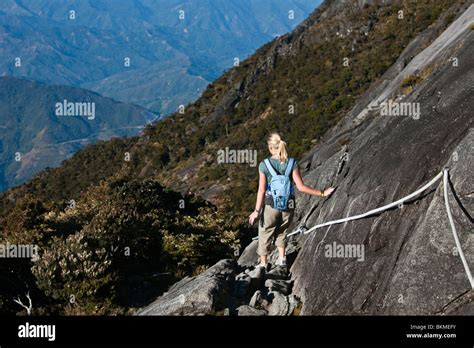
[(278, 175)]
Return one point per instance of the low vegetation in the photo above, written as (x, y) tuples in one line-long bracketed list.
[(97, 253)]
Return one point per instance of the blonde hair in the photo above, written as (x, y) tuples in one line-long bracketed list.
[(275, 142)]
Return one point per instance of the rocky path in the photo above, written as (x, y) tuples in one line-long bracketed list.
[(232, 287), (260, 291)]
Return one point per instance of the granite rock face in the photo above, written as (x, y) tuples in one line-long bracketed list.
[(410, 264), (200, 295)]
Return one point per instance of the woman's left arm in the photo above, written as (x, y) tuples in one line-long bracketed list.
[(300, 185), (262, 187)]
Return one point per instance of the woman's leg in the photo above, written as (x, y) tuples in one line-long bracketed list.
[(287, 217), (281, 252), (266, 233)]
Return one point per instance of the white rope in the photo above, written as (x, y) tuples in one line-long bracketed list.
[(370, 212), (453, 228), (444, 174), (342, 159), (374, 211)]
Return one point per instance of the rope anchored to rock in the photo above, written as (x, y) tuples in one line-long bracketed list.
[(453, 228)]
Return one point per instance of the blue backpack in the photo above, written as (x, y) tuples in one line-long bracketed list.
[(280, 186)]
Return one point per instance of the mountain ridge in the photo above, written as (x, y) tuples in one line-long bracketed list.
[(95, 42), (46, 139)]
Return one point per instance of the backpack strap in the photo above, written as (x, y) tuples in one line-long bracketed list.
[(289, 166), (270, 168), (288, 170)]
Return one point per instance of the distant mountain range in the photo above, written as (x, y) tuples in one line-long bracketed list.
[(37, 131), (155, 53)]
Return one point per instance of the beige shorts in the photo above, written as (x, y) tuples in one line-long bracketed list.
[(275, 227)]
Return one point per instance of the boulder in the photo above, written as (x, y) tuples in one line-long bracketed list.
[(203, 294), (250, 311), (280, 285), (280, 304), (249, 256), (258, 273), (258, 300), (277, 273)]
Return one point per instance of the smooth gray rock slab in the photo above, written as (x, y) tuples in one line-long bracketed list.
[(409, 264), (200, 295)]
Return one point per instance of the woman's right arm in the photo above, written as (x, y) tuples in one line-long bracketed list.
[(300, 185)]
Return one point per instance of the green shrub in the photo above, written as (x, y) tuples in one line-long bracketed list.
[(115, 234)]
